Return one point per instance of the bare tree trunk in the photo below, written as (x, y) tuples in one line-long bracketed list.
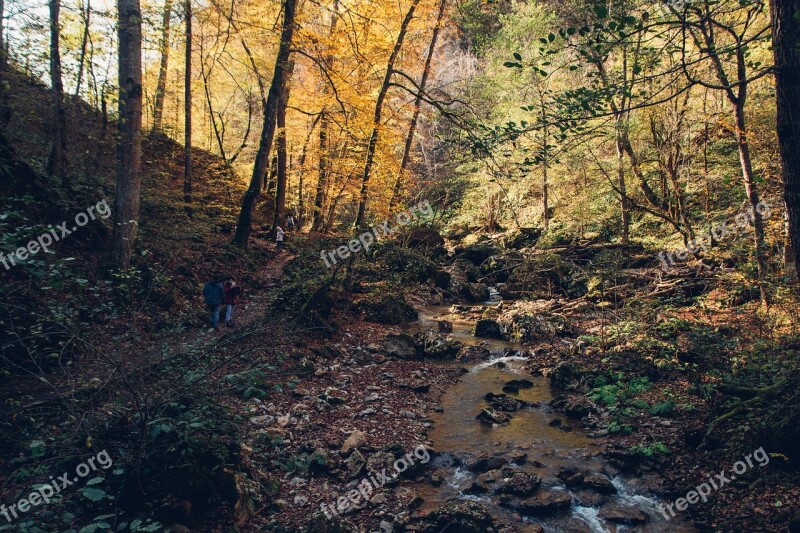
[(301, 206), (2, 36), (280, 147), (398, 184), (786, 48), (319, 199), (376, 119), (243, 227), (187, 111), (56, 164), (161, 84), (84, 42), (623, 193), (129, 127)]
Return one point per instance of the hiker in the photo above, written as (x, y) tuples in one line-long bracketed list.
[(214, 295), (279, 237), (232, 293), (290, 223)]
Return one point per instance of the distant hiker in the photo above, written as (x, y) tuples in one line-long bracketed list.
[(232, 293), (214, 295), (279, 237), (290, 223)]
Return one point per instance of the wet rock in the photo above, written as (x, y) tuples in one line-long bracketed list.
[(472, 272), (471, 354), (520, 383), (355, 464), (462, 516), (556, 422), (445, 326), (521, 484), (628, 516), (510, 389), (433, 345), (475, 292), (490, 416), (355, 440), (572, 477), (508, 405), (488, 328), (545, 503), (589, 498), (485, 482), (518, 457), (483, 463), (491, 397), (402, 345), (599, 483)]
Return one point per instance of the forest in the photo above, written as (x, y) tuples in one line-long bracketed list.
[(334, 266)]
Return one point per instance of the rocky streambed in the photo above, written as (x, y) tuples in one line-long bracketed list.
[(506, 455)]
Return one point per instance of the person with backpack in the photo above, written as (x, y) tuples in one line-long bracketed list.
[(232, 293), (214, 295)]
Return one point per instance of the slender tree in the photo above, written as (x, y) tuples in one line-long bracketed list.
[(2, 35), (426, 70), (56, 164), (376, 117), (280, 148), (277, 87), (187, 111), (129, 131), (86, 14), (161, 84)]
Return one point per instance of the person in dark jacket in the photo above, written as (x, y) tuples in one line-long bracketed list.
[(214, 295), (232, 293)]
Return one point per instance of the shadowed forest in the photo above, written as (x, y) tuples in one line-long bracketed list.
[(428, 266)]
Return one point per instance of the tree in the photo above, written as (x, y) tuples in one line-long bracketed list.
[(56, 163), (161, 85), (376, 118), (2, 36), (129, 130), (280, 148), (187, 111), (786, 49), (277, 88), (86, 14), (412, 127)]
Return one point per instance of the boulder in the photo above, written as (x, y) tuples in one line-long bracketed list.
[(489, 416), (477, 253), (545, 503), (520, 484), (483, 463), (402, 345), (488, 328), (356, 439), (445, 326), (433, 345), (355, 465), (599, 483), (471, 354), (386, 308), (628, 516), (464, 516), (475, 292)]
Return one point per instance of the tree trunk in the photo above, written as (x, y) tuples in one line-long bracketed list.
[(280, 147), (398, 184), (786, 48), (187, 112), (243, 227), (319, 199), (84, 42), (56, 164), (376, 119), (2, 36), (623, 193), (161, 84), (129, 127)]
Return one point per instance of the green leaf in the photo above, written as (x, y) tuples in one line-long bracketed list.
[(94, 494), (601, 11), (517, 56), (95, 480)]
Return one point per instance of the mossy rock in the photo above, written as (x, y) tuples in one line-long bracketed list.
[(488, 328), (386, 308), (475, 292)]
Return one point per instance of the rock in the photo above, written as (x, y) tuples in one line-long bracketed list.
[(386, 527), (284, 420), (475, 292), (599, 483), (556, 422), (545, 503), (355, 464), (366, 412), (490, 416), (355, 440), (572, 477), (445, 326), (511, 389), (628, 516), (518, 457), (463, 516), (521, 484), (472, 354), (575, 406), (415, 385), (477, 253), (433, 345), (402, 346), (408, 414), (386, 308), (508, 405), (483, 463), (262, 421), (488, 328), (442, 279), (520, 383), (589, 498), (300, 501)]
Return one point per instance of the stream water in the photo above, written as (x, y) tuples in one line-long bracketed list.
[(459, 438)]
